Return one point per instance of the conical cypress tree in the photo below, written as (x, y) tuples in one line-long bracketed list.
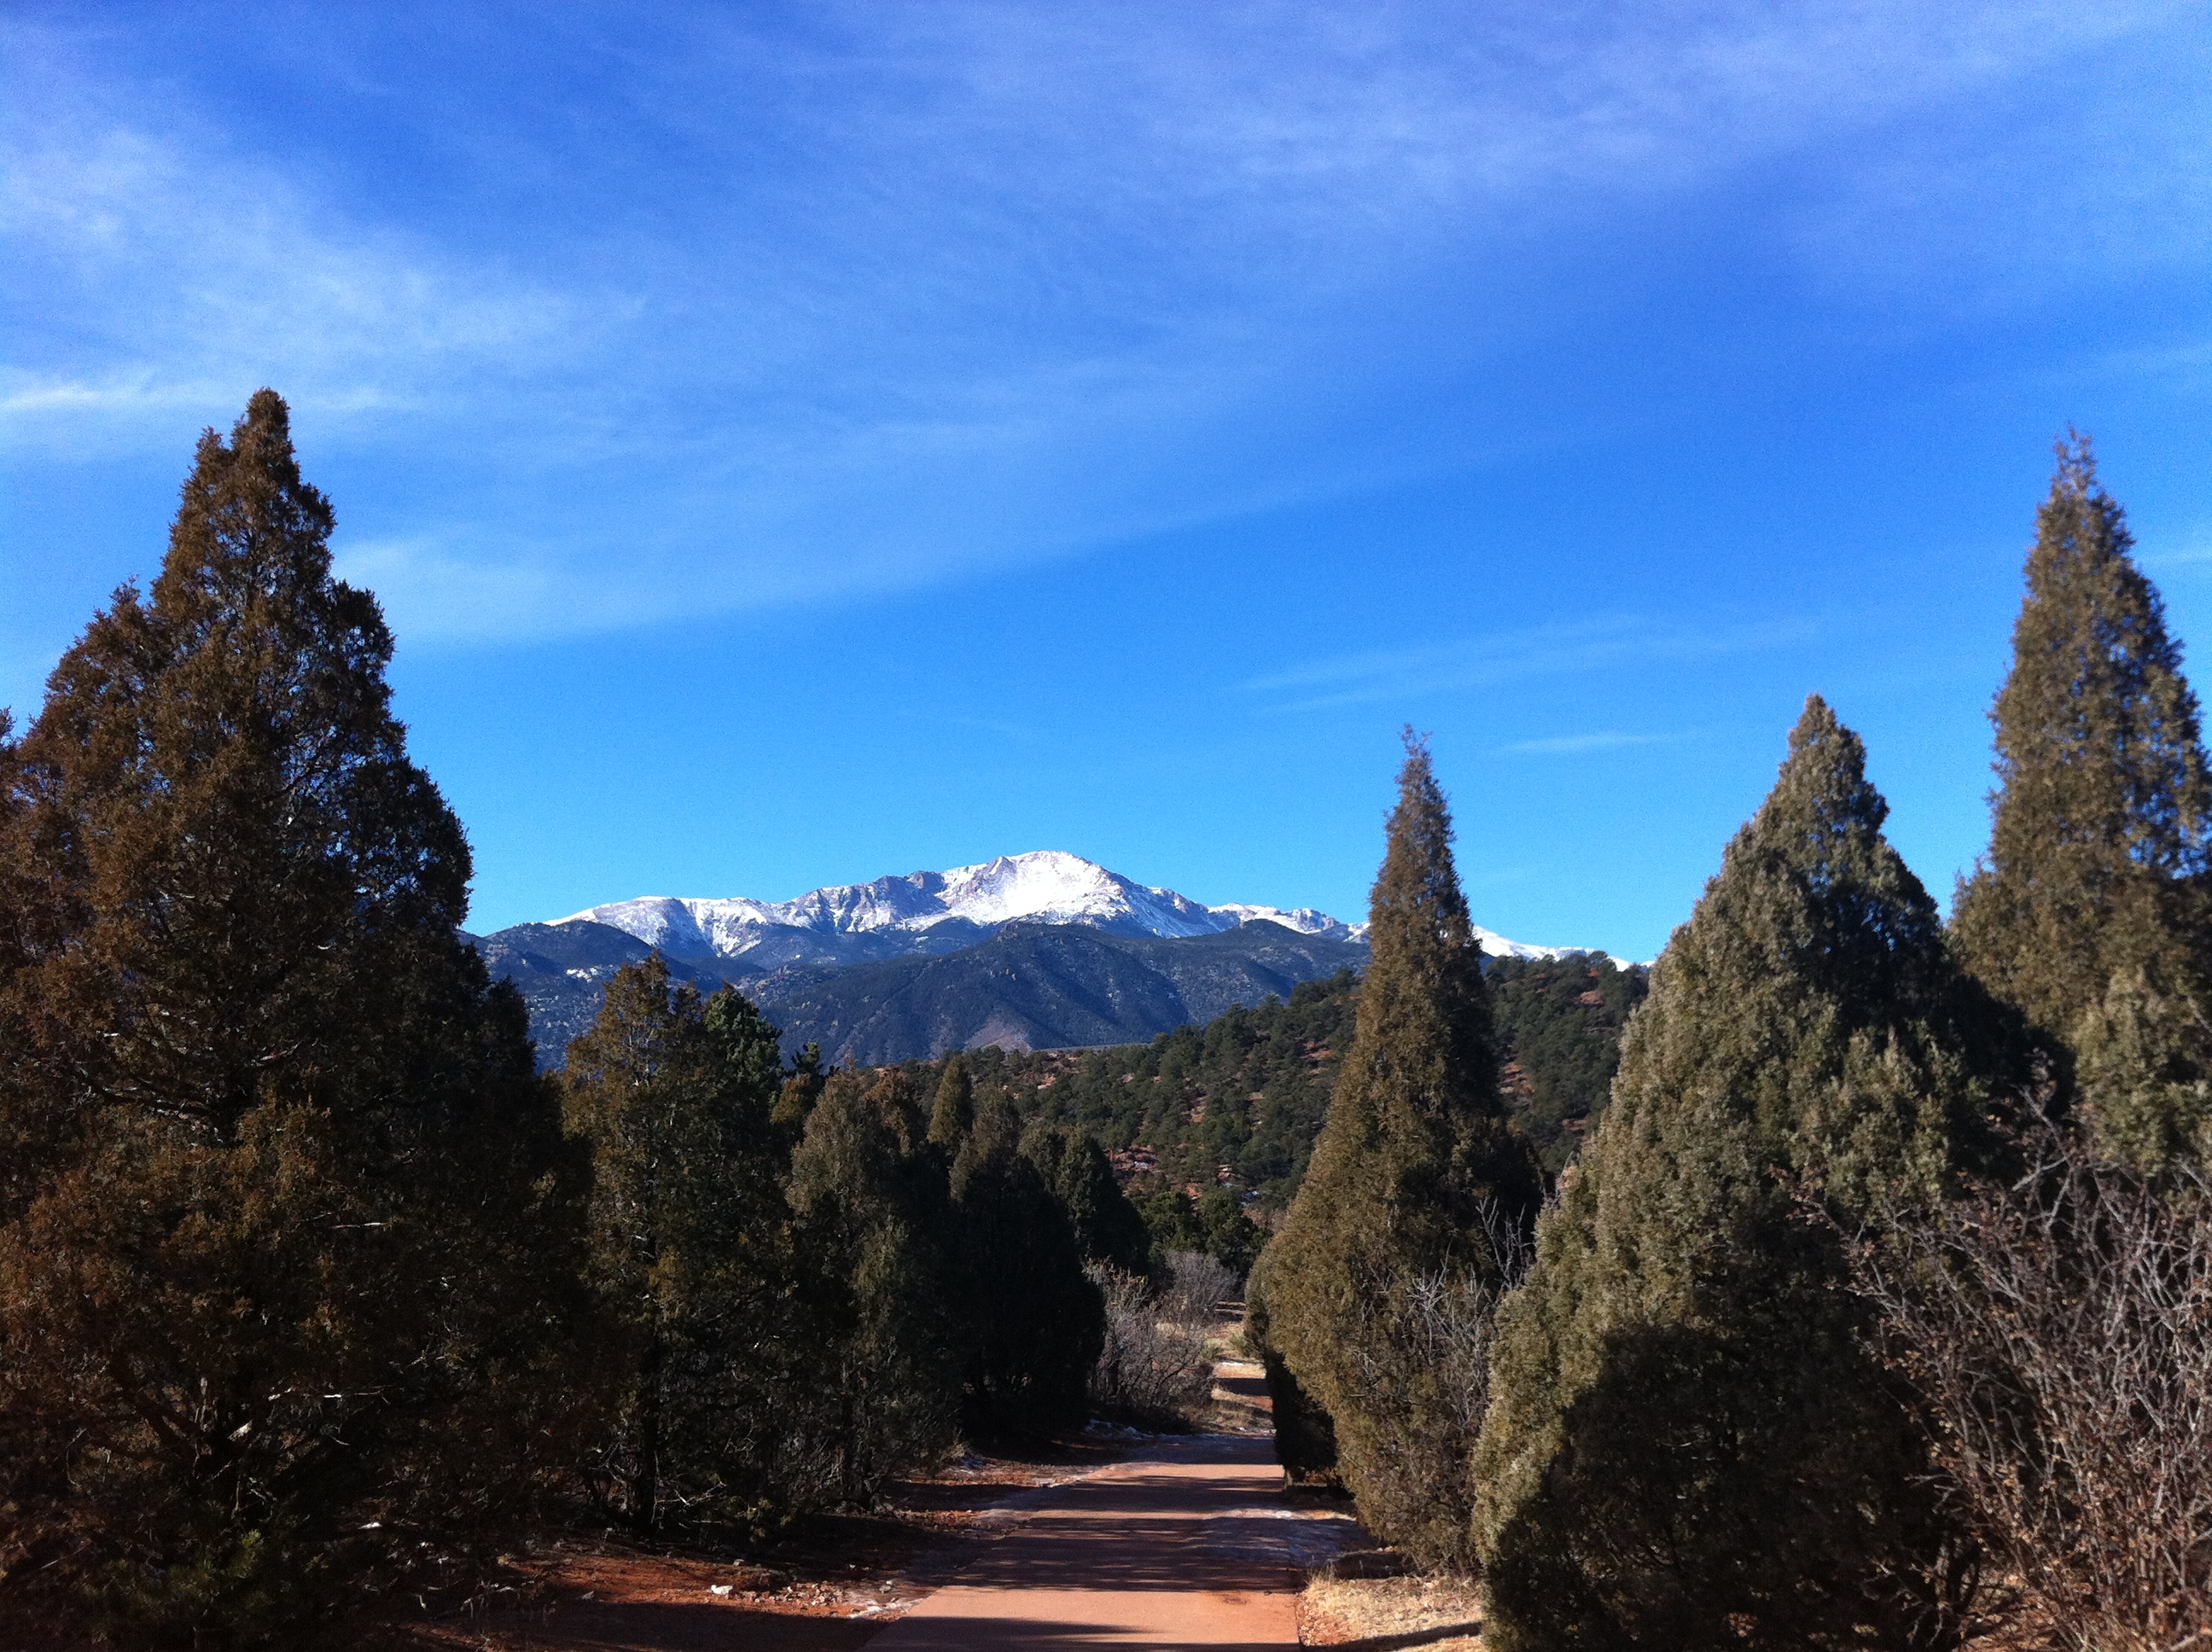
[(2092, 910), (954, 1111), (1688, 1445), (1415, 1165), (282, 1257)]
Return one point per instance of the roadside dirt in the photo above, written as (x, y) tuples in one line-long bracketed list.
[(1382, 1614), (828, 1584)]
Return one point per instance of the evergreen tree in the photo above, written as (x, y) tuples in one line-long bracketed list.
[(2092, 910), (285, 1225), (1232, 1238), (955, 1112), (687, 1247), (1414, 1163), (898, 1102), (878, 1288), (1305, 1438), (1108, 1228), (1170, 1217), (1688, 1444), (1034, 1324)]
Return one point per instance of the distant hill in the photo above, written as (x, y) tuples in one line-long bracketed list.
[(1043, 987), (1246, 1092), (562, 969)]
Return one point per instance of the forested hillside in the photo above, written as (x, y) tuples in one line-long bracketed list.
[(1559, 1021), (1247, 1092)]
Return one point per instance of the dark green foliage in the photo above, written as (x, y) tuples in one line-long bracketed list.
[(2092, 910), (1033, 1323), (1305, 1438), (1170, 1216), (284, 1217), (1247, 1089), (1414, 1165), (954, 1114), (1688, 1445), (1108, 1228), (1214, 1225), (881, 1295), (688, 1254), (1559, 1021)]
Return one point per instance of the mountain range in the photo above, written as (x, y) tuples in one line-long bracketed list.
[(1040, 951)]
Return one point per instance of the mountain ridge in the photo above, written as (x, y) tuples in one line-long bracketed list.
[(1044, 950), (964, 905)]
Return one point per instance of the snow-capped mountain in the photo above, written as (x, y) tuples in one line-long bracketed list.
[(1046, 886)]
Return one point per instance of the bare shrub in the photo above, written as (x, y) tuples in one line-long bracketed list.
[(1199, 1286), (1154, 1371), (1420, 1363), (2059, 1332)]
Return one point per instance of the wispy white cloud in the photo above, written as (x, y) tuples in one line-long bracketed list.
[(1619, 643), (1575, 745), (2188, 550), (922, 289), (161, 273)]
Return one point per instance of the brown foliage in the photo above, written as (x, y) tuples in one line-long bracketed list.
[(2059, 1332), (281, 1208)]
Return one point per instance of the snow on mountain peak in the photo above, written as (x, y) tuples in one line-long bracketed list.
[(1042, 886)]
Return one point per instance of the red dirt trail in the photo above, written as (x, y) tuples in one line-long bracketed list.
[(1189, 1546)]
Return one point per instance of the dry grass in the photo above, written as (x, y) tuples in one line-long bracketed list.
[(1383, 1614)]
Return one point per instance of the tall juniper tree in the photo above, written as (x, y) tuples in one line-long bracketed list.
[(1688, 1445), (1032, 1322), (880, 1307), (954, 1111), (671, 1094), (2093, 910), (284, 1236), (1417, 1172)]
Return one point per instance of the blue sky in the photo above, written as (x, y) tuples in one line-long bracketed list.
[(795, 444)]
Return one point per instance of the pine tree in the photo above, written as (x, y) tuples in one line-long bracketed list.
[(1413, 1168), (1033, 1323), (954, 1111), (284, 1232), (687, 1245), (1687, 1444), (2092, 910)]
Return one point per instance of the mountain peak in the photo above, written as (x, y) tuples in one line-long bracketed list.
[(959, 906)]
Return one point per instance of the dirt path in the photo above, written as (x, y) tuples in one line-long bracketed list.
[(1190, 1544)]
